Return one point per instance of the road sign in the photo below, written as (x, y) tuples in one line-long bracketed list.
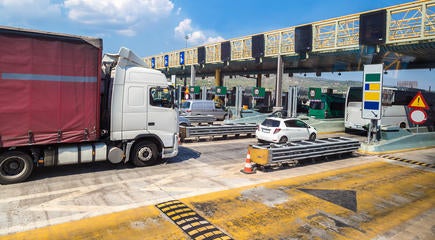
[(181, 58), (258, 92), (153, 62), (372, 91), (315, 93), (418, 102), (221, 91), (166, 60), (418, 116), (195, 89)]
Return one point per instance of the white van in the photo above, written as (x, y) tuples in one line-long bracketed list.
[(202, 107)]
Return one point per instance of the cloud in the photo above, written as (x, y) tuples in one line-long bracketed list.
[(123, 15), (27, 10), (127, 32), (195, 36)]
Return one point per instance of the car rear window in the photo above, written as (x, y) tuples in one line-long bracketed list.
[(185, 105), (270, 123)]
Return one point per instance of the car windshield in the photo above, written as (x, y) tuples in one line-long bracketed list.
[(270, 123)]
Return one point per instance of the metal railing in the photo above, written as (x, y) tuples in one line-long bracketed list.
[(216, 130), (292, 152)]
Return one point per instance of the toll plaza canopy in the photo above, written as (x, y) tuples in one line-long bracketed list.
[(400, 37)]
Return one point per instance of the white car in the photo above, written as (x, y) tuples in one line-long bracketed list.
[(279, 130)]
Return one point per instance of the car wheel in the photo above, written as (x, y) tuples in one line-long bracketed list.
[(283, 139), (312, 137)]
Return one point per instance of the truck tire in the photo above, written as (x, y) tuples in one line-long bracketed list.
[(145, 153), (15, 167)]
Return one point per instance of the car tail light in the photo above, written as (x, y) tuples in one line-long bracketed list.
[(276, 130), (258, 127), (188, 110)]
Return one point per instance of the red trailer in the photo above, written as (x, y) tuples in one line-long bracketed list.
[(49, 88)]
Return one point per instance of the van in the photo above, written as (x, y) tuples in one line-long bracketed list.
[(202, 107)]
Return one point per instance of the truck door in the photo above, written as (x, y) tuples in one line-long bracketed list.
[(162, 119)]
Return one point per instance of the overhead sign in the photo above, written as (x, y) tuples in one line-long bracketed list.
[(418, 116), (418, 102), (166, 60), (372, 91), (153, 62), (181, 58)]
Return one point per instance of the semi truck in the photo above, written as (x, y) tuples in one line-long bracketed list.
[(63, 102)]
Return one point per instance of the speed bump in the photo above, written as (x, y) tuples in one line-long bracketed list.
[(191, 222)]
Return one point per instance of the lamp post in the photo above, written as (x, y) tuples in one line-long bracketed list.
[(187, 38), (185, 74)]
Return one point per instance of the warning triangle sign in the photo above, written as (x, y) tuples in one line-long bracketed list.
[(418, 102)]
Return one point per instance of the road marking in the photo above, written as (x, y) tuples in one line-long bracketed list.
[(343, 198), (190, 222), (408, 161)]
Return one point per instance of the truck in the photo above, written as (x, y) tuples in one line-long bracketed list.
[(325, 105), (63, 102)]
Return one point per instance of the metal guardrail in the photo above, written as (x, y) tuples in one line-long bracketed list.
[(201, 118), (292, 152), (216, 130)]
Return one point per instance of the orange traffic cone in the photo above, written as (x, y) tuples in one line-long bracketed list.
[(248, 169)]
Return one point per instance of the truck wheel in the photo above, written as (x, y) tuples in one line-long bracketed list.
[(144, 154), (15, 167)]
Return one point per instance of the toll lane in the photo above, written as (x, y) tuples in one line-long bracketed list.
[(362, 201), (355, 203)]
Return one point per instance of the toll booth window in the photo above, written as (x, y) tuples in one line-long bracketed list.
[(317, 104), (161, 97)]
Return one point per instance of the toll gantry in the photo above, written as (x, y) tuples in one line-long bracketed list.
[(400, 36)]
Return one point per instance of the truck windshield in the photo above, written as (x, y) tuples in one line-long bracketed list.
[(316, 104), (162, 97)]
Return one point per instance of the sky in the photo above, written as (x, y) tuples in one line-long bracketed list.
[(151, 27)]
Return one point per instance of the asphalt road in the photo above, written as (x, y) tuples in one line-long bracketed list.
[(63, 194)]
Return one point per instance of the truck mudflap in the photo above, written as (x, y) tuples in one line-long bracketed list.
[(294, 152)]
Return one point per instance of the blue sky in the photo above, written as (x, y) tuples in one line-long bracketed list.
[(151, 27)]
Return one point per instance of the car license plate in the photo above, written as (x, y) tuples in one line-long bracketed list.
[(265, 130)]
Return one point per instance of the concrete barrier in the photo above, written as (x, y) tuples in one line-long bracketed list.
[(405, 141)]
